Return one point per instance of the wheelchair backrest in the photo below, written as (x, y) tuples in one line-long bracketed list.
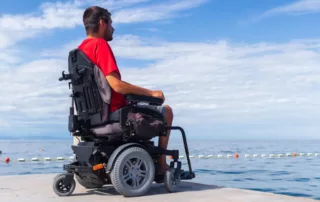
[(91, 93)]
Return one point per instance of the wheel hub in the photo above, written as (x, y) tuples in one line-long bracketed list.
[(63, 187), (135, 171)]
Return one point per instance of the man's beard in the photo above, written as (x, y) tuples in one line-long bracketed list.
[(108, 37)]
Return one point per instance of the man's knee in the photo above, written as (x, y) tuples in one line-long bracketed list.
[(168, 112)]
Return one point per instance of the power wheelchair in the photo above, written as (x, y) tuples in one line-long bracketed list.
[(115, 148)]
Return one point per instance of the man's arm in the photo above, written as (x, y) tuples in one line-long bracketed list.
[(123, 87), (108, 65)]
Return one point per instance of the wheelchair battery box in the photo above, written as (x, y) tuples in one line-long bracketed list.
[(73, 125), (73, 122)]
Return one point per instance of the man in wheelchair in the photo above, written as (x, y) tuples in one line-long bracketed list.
[(115, 121), (99, 30)]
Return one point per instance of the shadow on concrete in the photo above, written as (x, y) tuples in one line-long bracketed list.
[(156, 189)]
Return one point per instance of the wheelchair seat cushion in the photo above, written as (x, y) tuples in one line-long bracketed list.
[(146, 123), (109, 129)]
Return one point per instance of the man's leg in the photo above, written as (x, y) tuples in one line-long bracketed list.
[(163, 141)]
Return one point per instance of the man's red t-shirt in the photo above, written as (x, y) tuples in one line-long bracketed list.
[(100, 53)]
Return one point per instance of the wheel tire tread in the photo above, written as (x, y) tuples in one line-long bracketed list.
[(168, 181)]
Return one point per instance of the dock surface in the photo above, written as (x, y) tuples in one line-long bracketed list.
[(38, 188)]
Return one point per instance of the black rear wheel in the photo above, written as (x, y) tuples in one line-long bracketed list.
[(133, 172)]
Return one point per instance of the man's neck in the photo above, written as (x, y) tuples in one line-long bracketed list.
[(93, 36)]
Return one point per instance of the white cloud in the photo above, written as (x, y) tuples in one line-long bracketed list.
[(223, 81), (119, 4), (9, 56), (216, 82), (155, 12), (68, 15), (300, 7), (32, 91)]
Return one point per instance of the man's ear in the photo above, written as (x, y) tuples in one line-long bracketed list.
[(101, 22)]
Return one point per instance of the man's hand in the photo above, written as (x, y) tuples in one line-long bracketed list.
[(158, 94)]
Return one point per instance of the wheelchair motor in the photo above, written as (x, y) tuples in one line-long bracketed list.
[(115, 148)]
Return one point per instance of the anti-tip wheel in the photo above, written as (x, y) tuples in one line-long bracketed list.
[(170, 181), (60, 188)]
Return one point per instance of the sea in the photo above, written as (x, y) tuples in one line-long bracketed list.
[(289, 175)]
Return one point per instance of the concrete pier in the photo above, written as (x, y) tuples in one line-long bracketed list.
[(38, 188)]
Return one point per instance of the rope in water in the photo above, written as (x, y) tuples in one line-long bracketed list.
[(219, 156)]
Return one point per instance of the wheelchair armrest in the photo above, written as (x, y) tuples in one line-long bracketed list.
[(143, 98)]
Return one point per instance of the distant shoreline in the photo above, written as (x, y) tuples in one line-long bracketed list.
[(35, 138), (175, 138)]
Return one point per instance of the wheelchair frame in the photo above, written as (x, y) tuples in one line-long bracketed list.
[(88, 161), (83, 151)]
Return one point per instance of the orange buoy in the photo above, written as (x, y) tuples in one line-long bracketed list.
[(7, 160), (236, 155), (294, 154)]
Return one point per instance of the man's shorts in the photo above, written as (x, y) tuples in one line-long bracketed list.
[(161, 109)]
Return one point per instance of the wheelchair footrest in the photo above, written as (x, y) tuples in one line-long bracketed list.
[(76, 168), (185, 175)]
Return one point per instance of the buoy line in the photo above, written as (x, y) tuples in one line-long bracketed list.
[(201, 156)]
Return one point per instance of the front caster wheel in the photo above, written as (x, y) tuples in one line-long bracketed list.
[(171, 180), (61, 188)]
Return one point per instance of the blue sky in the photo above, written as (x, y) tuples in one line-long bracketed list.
[(230, 69)]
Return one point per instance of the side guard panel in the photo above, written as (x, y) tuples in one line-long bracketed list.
[(83, 151)]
